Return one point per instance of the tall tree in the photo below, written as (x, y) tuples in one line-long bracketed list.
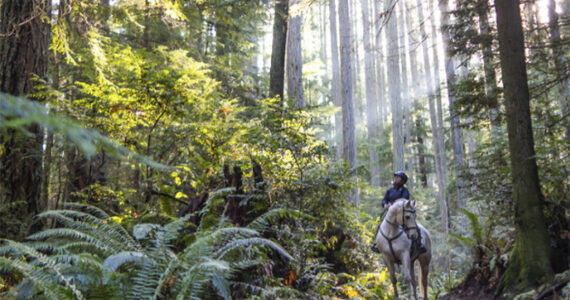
[(380, 63), (295, 56), (413, 43), (489, 68), (456, 131), (405, 92), (371, 101), (432, 88), (24, 55), (348, 128), (437, 93), (529, 263), (336, 84), (394, 84), (559, 60), (277, 69)]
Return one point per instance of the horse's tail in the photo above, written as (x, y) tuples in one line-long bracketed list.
[(421, 279)]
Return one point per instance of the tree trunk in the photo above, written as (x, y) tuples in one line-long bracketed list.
[(336, 84), (277, 69), (414, 87), (24, 54), (432, 88), (489, 68), (471, 161), (355, 56), (394, 85), (437, 90), (348, 128), (295, 58), (559, 61), (371, 104), (456, 131), (421, 153), (380, 64), (529, 264), (405, 93)]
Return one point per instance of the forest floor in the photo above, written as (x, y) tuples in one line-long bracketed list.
[(480, 283)]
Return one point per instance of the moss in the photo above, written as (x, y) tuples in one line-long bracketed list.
[(523, 273)]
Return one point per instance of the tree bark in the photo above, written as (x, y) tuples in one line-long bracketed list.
[(348, 128), (489, 68), (394, 85), (414, 87), (380, 64), (336, 84), (295, 59), (456, 131), (371, 103), (421, 153), (23, 55), (529, 264), (408, 167), (559, 61), (433, 93), (277, 69)]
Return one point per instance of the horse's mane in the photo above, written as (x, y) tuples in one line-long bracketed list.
[(401, 200)]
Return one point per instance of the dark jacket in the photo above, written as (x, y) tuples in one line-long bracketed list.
[(394, 194)]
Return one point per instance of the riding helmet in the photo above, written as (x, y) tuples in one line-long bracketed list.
[(402, 175)]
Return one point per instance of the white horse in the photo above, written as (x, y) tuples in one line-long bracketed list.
[(395, 246)]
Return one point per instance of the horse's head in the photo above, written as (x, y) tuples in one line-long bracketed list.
[(409, 219)]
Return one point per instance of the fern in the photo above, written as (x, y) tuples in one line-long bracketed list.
[(477, 229), (115, 261), (49, 267), (89, 250), (242, 243)]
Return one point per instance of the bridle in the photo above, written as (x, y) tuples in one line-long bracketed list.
[(403, 226)]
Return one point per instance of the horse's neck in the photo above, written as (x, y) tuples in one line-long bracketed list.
[(390, 229)]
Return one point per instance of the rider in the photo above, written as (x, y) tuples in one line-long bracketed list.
[(394, 193)]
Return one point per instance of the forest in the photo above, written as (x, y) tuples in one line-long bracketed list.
[(244, 149)]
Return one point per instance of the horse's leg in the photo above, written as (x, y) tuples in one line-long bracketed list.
[(424, 270), (406, 264), (413, 277), (392, 277)]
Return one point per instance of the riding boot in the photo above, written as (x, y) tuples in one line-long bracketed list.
[(375, 249), (419, 246)]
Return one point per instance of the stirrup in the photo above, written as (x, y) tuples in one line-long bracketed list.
[(375, 249)]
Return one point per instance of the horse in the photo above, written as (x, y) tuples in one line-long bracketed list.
[(395, 247)]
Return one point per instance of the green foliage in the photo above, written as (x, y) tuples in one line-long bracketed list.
[(90, 254), (18, 113)]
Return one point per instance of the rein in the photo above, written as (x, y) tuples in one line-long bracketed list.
[(403, 226)]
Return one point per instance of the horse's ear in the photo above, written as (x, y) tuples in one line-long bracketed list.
[(413, 203)]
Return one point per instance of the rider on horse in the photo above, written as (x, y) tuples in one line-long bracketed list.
[(394, 193)]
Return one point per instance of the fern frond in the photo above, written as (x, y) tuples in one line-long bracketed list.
[(36, 276), (242, 243), (46, 263), (166, 274), (140, 231), (262, 222), (221, 285), (476, 227), (113, 262), (467, 241), (93, 225), (74, 235), (194, 280), (90, 209)]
